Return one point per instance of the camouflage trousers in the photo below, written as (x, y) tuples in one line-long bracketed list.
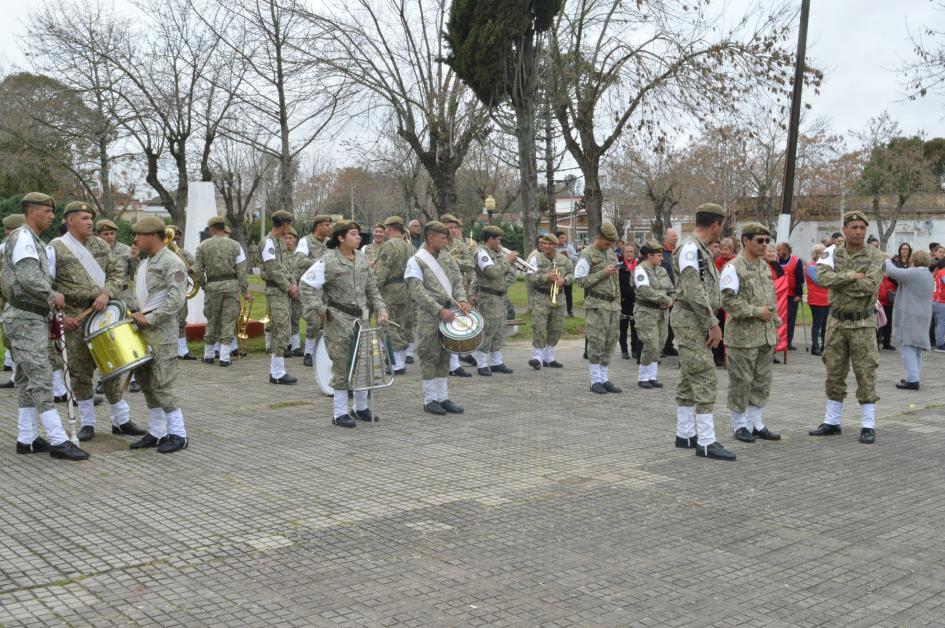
[(279, 323), (82, 368), (182, 321), (295, 315), (547, 323), (603, 330), (749, 376), (158, 376), (55, 357), (313, 325), (434, 359), (338, 331), (846, 347), (494, 315), (652, 325), (221, 308), (28, 339), (398, 313), (697, 378)]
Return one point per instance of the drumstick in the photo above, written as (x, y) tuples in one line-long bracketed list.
[(390, 322), (84, 313), (466, 326)]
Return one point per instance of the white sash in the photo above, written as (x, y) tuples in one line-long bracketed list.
[(145, 303), (96, 272), (424, 256)]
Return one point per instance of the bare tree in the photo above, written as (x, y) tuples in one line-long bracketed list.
[(238, 171), (926, 73), (654, 176)]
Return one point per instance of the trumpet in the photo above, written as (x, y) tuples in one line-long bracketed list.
[(192, 286), (520, 264), (456, 251), (554, 286)]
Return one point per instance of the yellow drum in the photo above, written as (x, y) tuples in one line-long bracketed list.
[(115, 343)]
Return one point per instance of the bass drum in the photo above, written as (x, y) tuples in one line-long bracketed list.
[(322, 368), (464, 333)]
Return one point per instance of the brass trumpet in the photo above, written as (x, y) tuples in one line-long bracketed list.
[(192, 286), (554, 286), (520, 264)]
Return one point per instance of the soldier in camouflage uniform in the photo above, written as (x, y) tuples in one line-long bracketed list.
[(751, 333), (389, 273), (294, 348), (852, 272), (160, 289), (220, 267), (88, 275), (183, 352), (10, 224), (464, 252), (494, 275), (435, 282), (547, 317), (697, 331), (28, 290), (596, 273), (373, 248), (309, 250), (127, 258), (655, 295), (278, 271), (340, 288)]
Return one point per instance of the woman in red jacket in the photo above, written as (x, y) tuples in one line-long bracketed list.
[(818, 301)]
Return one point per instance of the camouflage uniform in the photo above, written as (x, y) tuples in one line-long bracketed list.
[(308, 251), (220, 267), (371, 251), (851, 329), (278, 273), (464, 253), (602, 304), (749, 341), (128, 266), (494, 275), (653, 288), (547, 319), (389, 272)]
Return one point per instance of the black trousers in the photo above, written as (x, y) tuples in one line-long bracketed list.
[(569, 298), (626, 325), (791, 319), (818, 326)]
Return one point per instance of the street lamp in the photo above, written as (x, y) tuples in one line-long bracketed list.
[(489, 205)]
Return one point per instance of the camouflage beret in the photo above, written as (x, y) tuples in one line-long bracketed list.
[(435, 226), (394, 220), (448, 218), (226, 229), (293, 233), (216, 221), (344, 226), (549, 237), (854, 215), (651, 246), (13, 221), (282, 215), (754, 228), (38, 198), (492, 230), (711, 208), (105, 225), (608, 232), (148, 225), (320, 218)]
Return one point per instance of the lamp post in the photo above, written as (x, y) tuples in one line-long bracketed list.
[(489, 206)]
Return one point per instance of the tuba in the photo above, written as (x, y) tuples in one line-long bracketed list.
[(192, 286)]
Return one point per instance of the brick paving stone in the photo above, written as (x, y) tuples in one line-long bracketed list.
[(543, 505)]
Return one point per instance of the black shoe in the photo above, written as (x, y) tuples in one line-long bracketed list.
[(908, 386), (60, 398), (287, 353), (635, 355), (744, 435), (100, 388), (86, 433), (434, 407), (598, 388), (625, 355), (645, 384), (67, 451), (816, 352), (584, 355), (8, 384), (298, 353), (468, 359), (451, 407), (365, 415), (825, 429), (216, 354), (307, 360), (186, 356), (715, 450), (146, 442), (570, 314), (791, 348), (889, 348), (686, 443), (672, 353), (128, 428), (286, 379), (404, 372), (766, 434), (7, 368), (656, 383), (225, 363), (458, 372), (535, 364), (501, 368), (409, 359), (135, 387), (237, 354), (172, 443), (554, 364), (867, 435), (344, 420), (610, 387), (38, 446), (484, 371), (776, 360), (208, 360)]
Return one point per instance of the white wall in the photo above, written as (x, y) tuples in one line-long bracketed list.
[(201, 206)]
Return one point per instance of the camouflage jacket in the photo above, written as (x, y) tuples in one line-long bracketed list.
[(600, 291), (25, 275), (426, 291), (308, 251), (278, 271), (341, 287), (465, 256), (71, 279), (835, 270), (494, 273), (653, 288), (746, 288), (539, 281), (697, 286), (164, 271), (220, 265), (389, 270)]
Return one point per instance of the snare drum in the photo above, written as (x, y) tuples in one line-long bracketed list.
[(115, 342), (115, 311), (464, 333)]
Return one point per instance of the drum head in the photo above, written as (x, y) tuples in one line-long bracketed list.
[(113, 312), (323, 368), (463, 325)]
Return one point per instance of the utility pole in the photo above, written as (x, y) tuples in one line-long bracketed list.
[(790, 157)]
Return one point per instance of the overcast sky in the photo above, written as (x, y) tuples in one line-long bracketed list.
[(858, 43)]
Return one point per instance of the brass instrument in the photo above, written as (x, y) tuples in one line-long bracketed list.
[(192, 286), (554, 286), (242, 322), (456, 250), (520, 264)]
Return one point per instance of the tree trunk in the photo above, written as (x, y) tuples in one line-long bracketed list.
[(550, 167), (444, 192), (593, 196), (525, 131), (183, 185), (152, 178), (107, 202)]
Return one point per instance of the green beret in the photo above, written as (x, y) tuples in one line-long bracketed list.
[(609, 232), (105, 225), (282, 215), (447, 218), (78, 206), (711, 208), (493, 231), (344, 226), (549, 237), (38, 198), (394, 220), (319, 218), (13, 221), (436, 227), (293, 233), (651, 246), (755, 228), (854, 215), (216, 221), (148, 225)]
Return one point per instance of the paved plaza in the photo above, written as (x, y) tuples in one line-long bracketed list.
[(543, 505)]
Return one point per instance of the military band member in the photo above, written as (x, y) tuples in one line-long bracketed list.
[(494, 275), (596, 272), (160, 289), (220, 267), (852, 271), (10, 224), (697, 331), (372, 249), (389, 272), (655, 294), (278, 271), (308, 251), (341, 288), (294, 348), (86, 273), (128, 260), (435, 283), (465, 256), (30, 297), (183, 352), (751, 333), (554, 269)]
